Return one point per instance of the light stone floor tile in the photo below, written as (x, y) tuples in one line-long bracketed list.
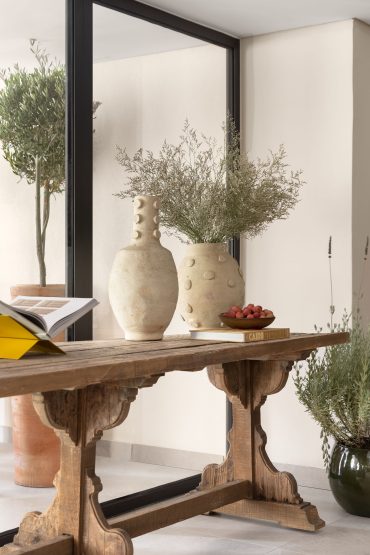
[(333, 540), (203, 535), (162, 544)]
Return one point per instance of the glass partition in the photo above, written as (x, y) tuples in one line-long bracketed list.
[(32, 172), (32, 131), (149, 80)]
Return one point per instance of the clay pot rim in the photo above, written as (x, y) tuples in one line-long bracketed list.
[(37, 285)]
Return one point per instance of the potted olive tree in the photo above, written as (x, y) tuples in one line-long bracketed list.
[(32, 130), (335, 390), (32, 136)]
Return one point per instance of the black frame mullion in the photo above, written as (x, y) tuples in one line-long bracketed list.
[(79, 196), (233, 108)]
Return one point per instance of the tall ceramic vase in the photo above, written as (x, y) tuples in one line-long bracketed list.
[(143, 285), (210, 281)]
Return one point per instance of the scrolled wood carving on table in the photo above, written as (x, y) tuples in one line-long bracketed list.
[(247, 385), (79, 418)]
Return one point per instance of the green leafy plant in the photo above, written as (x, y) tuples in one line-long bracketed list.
[(32, 108), (334, 386), (210, 193), (32, 133), (335, 390)]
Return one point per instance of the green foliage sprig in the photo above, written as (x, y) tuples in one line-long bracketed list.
[(32, 120), (32, 133), (209, 193), (334, 386), (32, 124), (335, 390)]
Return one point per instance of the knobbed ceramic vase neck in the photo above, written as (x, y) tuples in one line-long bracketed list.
[(146, 219)]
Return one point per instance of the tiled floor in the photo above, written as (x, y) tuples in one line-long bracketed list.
[(203, 535)]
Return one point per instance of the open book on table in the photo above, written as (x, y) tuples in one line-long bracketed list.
[(45, 317)]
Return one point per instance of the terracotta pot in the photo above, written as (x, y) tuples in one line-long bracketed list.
[(36, 447), (210, 281), (143, 285)]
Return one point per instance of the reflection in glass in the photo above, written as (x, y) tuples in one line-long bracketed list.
[(32, 171), (150, 80), (32, 131)]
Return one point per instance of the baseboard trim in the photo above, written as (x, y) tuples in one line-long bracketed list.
[(125, 452), (306, 476), (177, 458)]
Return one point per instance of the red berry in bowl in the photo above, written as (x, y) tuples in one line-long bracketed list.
[(229, 314)]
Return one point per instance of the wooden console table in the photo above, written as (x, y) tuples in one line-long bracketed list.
[(90, 390)]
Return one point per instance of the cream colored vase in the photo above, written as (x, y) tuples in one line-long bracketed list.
[(143, 285), (210, 281)]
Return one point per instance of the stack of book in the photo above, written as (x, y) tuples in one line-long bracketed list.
[(240, 335)]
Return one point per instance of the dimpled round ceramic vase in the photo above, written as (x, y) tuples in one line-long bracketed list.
[(143, 285), (210, 282)]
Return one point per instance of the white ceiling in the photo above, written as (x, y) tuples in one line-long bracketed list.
[(120, 36), (115, 35), (243, 18)]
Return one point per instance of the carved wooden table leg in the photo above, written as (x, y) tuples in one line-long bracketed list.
[(274, 494), (79, 418)]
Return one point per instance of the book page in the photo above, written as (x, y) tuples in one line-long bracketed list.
[(36, 327), (56, 312)]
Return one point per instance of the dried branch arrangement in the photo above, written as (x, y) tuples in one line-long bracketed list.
[(211, 193)]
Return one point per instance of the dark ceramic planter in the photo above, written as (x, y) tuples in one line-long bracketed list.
[(349, 477)]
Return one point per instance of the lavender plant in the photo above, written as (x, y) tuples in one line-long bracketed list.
[(334, 385), (210, 193), (335, 390)]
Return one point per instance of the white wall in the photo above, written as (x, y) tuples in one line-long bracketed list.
[(361, 166), (144, 101), (297, 90)]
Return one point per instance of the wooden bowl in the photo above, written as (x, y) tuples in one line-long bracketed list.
[(245, 323)]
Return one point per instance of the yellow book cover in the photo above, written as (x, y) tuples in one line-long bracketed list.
[(15, 340)]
